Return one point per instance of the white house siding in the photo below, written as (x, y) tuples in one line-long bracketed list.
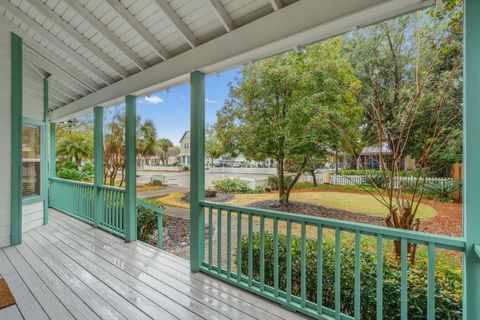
[(5, 142), (33, 109)]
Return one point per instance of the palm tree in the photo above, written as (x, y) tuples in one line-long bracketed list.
[(164, 145), (75, 145), (146, 139)]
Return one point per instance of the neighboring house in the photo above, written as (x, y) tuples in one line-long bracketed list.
[(185, 149), (370, 157)]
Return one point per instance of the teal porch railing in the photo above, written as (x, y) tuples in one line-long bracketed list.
[(78, 200), (74, 198), (222, 257)]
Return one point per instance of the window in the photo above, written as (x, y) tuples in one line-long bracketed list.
[(31, 154)]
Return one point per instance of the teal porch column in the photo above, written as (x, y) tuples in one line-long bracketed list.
[(98, 162), (45, 168), (471, 158), (197, 169), (130, 169), (16, 139), (53, 151)]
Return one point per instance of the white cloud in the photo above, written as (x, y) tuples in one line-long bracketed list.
[(211, 101), (153, 100)]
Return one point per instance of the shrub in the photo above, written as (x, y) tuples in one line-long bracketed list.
[(234, 185), (72, 171), (272, 181), (448, 283), (146, 223)]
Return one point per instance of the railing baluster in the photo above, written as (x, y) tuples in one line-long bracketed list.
[(379, 277), (115, 211), (303, 263), (250, 250), (289, 261), (219, 245), (210, 236), (319, 269), (403, 287), (357, 302), (262, 253), (239, 246), (431, 282), (275, 257), (337, 273), (229, 243)]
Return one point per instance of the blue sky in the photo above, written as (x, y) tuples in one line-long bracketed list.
[(171, 110)]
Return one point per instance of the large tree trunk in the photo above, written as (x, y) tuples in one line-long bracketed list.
[(280, 175), (403, 218), (294, 180), (314, 177)]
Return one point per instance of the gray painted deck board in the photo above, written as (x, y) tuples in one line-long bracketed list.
[(157, 257), (70, 270), (10, 313)]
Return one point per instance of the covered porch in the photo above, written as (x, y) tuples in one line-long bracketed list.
[(71, 270), (69, 250)]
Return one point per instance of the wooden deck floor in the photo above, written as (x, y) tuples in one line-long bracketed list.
[(70, 270)]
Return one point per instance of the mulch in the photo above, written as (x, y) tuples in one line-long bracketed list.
[(448, 221), (176, 233), (220, 197), (319, 211)]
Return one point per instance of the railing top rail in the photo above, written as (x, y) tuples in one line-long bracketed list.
[(151, 206), (71, 181), (442, 241), (104, 187)]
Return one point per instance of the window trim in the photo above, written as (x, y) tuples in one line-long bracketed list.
[(38, 124)]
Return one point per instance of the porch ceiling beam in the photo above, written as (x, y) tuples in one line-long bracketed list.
[(58, 100), (84, 41), (314, 20), (177, 22), (107, 33), (59, 86), (84, 83), (57, 94), (276, 4), (223, 14), (66, 68), (38, 28), (139, 28), (57, 74)]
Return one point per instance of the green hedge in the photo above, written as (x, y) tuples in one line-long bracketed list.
[(146, 223), (448, 283), (272, 181), (234, 185)]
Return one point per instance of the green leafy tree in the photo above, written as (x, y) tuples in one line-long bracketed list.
[(288, 108), (213, 145)]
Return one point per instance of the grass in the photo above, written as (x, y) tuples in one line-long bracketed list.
[(360, 203), (173, 199), (149, 187)]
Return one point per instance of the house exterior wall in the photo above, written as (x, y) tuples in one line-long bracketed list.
[(185, 149), (5, 134), (33, 109)]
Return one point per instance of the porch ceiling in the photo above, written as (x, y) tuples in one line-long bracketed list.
[(97, 51)]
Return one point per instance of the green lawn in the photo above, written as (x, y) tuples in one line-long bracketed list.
[(361, 203)]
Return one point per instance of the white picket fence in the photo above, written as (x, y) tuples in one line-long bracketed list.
[(348, 180)]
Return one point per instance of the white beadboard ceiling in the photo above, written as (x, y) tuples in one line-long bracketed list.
[(88, 46)]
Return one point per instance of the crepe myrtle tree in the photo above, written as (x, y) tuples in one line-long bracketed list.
[(416, 109), (284, 108)]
